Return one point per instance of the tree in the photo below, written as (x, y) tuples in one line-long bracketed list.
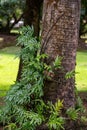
[(10, 10), (32, 14), (60, 33), (31, 18), (83, 20), (60, 38), (25, 105)]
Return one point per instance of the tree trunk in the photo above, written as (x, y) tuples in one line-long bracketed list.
[(5, 29), (31, 18), (32, 14), (60, 38)]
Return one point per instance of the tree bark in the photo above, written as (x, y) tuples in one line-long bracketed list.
[(32, 14), (60, 38)]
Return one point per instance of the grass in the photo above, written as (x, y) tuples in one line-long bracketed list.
[(15, 31), (8, 68), (81, 69)]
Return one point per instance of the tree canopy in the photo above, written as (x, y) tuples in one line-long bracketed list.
[(10, 10)]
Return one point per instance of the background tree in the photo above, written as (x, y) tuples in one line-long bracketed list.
[(83, 20), (10, 10), (32, 15)]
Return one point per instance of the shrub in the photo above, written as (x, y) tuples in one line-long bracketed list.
[(25, 108)]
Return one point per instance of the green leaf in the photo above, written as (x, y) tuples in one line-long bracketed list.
[(59, 105), (72, 113), (70, 74), (57, 62)]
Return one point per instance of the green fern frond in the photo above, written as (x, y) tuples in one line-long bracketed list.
[(72, 113), (59, 105)]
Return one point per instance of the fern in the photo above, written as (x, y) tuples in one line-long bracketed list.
[(11, 126), (55, 122), (58, 106), (70, 74), (72, 113), (25, 108)]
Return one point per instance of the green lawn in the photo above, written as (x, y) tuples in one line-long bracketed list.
[(8, 68), (15, 31), (81, 69)]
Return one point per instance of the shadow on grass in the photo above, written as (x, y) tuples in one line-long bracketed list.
[(3, 93), (10, 50), (4, 89)]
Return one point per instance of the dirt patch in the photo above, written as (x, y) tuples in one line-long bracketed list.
[(7, 40), (1, 128), (82, 44), (83, 96)]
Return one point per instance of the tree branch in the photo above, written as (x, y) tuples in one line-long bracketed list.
[(16, 20)]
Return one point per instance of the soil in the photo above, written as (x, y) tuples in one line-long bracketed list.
[(10, 40), (7, 40), (82, 44), (1, 128)]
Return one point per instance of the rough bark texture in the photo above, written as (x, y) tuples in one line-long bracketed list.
[(60, 37), (32, 14)]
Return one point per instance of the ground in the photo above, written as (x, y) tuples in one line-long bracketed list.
[(10, 40), (82, 43), (83, 96), (7, 40)]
